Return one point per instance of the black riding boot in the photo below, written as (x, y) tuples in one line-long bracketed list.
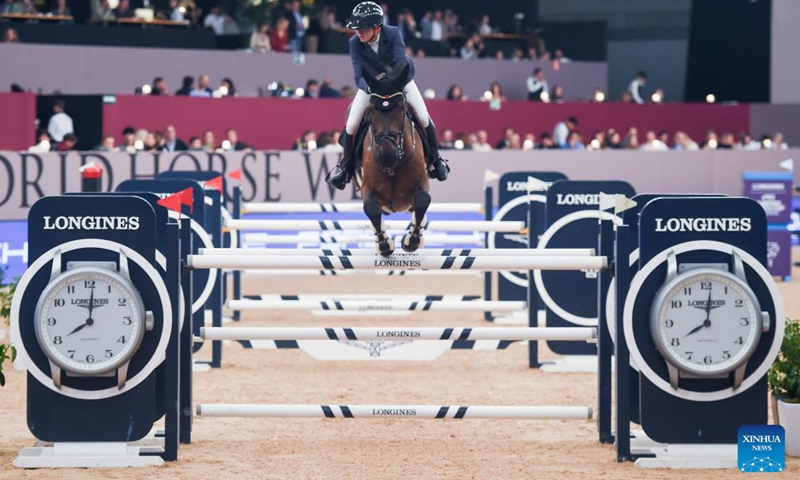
[(440, 167), (341, 174)]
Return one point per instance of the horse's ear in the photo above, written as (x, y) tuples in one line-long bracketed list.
[(401, 78), (372, 83)]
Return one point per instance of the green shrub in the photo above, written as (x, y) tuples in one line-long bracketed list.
[(784, 374)]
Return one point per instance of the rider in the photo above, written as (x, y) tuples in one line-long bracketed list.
[(379, 49)]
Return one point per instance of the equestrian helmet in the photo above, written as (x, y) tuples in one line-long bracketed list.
[(366, 15)]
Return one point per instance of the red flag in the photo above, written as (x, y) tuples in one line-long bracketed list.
[(236, 175), (172, 202), (215, 183), (187, 198)]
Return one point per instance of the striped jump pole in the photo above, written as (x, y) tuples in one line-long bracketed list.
[(437, 412), (419, 297), (520, 262), (348, 208), (378, 305), (338, 237), (318, 225), (399, 333), (280, 272), (426, 252)]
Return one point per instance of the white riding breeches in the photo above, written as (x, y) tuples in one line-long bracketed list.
[(361, 102)]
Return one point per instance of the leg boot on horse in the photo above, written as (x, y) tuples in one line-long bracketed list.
[(413, 240), (440, 168), (341, 174)]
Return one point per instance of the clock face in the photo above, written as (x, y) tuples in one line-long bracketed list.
[(89, 320), (706, 322)]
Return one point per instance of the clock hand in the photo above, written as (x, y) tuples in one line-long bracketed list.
[(705, 323), (88, 322), (708, 308), (91, 304)]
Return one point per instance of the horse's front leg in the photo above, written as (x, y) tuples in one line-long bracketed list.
[(383, 243), (414, 240)]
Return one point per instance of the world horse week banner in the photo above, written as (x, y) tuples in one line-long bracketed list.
[(281, 176)]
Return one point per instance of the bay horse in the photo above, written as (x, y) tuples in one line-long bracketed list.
[(394, 173)]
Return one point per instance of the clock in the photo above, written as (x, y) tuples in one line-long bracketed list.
[(90, 320), (706, 321)]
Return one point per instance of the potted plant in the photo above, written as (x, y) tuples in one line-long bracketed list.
[(784, 383), (7, 352)]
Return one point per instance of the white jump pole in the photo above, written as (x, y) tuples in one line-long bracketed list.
[(337, 237), (400, 333), (378, 305), (418, 297), (280, 272), (427, 252), (521, 262), (318, 225), (348, 207), (395, 411)]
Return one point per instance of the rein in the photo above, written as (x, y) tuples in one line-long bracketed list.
[(392, 136)]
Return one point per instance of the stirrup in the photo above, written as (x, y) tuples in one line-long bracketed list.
[(440, 169), (338, 177)]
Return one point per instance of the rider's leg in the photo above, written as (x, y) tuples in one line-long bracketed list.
[(343, 172), (414, 98)]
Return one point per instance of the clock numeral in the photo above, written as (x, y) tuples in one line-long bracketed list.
[(122, 302), (738, 303), (121, 339), (109, 289), (726, 290), (88, 283), (669, 323), (71, 289), (675, 342), (127, 320), (109, 354), (59, 302), (57, 340), (689, 355), (675, 304), (726, 355), (744, 322), (89, 358), (739, 341), (705, 285), (51, 321), (71, 353), (687, 290), (707, 360)]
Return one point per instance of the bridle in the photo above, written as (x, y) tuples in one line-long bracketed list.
[(397, 137)]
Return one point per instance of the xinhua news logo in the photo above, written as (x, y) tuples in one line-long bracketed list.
[(762, 449)]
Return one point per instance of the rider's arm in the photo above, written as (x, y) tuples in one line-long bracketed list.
[(357, 66)]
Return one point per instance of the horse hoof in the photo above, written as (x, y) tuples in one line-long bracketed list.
[(412, 243), (385, 247)]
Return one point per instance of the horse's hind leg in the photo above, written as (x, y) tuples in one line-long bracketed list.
[(383, 243), (414, 240)]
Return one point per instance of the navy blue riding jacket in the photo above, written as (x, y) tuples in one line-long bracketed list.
[(391, 54)]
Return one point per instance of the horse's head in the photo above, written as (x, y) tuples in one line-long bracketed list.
[(387, 113)]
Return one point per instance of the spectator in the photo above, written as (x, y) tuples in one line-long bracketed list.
[(425, 25), (746, 142), (663, 137), (227, 88), (447, 142), (307, 142), (515, 143), (61, 8), (312, 89), (684, 143), (151, 141), (6, 8), (187, 86), (326, 90), (481, 143), (516, 55), (215, 20), (67, 143), (23, 6), (557, 95), (195, 144), (451, 26), (562, 129), (499, 55), (296, 28), (631, 140), (530, 142), (171, 141), (652, 143), (209, 144), (574, 141), (347, 91), (175, 12), (329, 142), (711, 142), (532, 54), (233, 138), (625, 97), (107, 145), (437, 27), (159, 87), (44, 144), (10, 36), (203, 89), (124, 9), (406, 25), (101, 10), (472, 48), (259, 41), (420, 53), (128, 140), (386, 19), (455, 93), (636, 87), (537, 85), (558, 56), (335, 135), (726, 141), (506, 141), (546, 142), (778, 143), (485, 28), (280, 36), (496, 92), (60, 123), (614, 140), (598, 141)]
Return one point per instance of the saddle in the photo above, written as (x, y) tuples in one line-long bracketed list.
[(363, 129)]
